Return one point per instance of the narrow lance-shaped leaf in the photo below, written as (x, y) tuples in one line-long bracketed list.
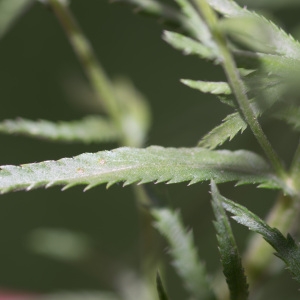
[(234, 123), (132, 165), (87, 295), (184, 253), (156, 9), (230, 257), (280, 41), (162, 295), (286, 248), (197, 27), (87, 130), (214, 88), (10, 11), (188, 45), (289, 114), (231, 126)]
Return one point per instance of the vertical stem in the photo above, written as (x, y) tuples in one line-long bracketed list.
[(104, 90), (91, 66), (237, 86)]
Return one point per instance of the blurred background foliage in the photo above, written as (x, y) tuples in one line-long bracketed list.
[(72, 241)]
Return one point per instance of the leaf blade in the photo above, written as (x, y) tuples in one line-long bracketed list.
[(184, 253), (154, 163), (86, 130), (287, 249), (230, 257)]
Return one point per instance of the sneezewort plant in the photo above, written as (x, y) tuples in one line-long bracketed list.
[(261, 65)]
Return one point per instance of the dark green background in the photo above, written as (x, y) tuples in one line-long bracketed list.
[(39, 77)]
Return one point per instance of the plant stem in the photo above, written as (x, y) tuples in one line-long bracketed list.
[(104, 90), (91, 66), (237, 86)]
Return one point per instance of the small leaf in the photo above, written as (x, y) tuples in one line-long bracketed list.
[(184, 253), (281, 43), (231, 126), (132, 165), (162, 295), (289, 114), (230, 257), (10, 11), (286, 248), (197, 27), (156, 9), (188, 45), (87, 130), (86, 295), (215, 88)]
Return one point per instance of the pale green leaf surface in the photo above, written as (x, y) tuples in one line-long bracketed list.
[(132, 165), (197, 27), (10, 11), (230, 257), (231, 126), (215, 88), (267, 95), (286, 248), (87, 130), (86, 295), (136, 118), (187, 45), (184, 253), (280, 41)]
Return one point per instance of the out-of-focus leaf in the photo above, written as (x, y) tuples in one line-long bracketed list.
[(136, 116), (87, 130), (162, 295), (188, 45), (10, 11), (215, 88), (184, 253), (279, 41), (60, 244)]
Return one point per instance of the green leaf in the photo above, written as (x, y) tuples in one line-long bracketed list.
[(197, 27), (156, 9), (132, 165), (289, 114), (87, 130), (231, 126), (267, 94), (136, 118), (188, 45), (162, 295), (10, 11), (215, 88), (184, 253), (280, 42), (87, 295), (230, 257), (286, 248)]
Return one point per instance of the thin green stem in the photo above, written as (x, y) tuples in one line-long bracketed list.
[(90, 64), (237, 86), (104, 90)]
